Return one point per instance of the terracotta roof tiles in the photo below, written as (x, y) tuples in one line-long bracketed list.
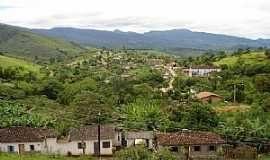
[(188, 138), (25, 134), (91, 133)]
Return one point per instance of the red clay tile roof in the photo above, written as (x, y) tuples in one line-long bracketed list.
[(91, 133), (188, 138), (25, 134), (202, 95)]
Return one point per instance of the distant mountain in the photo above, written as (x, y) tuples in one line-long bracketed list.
[(22, 42), (99, 38), (173, 40)]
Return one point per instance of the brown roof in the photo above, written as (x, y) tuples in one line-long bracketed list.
[(91, 133), (25, 134), (202, 95), (189, 138)]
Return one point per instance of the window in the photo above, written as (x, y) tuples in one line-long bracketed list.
[(11, 148), (106, 144), (197, 148), (32, 147), (174, 149), (81, 145), (212, 148)]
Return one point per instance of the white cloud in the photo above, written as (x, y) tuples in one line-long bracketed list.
[(248, 18)]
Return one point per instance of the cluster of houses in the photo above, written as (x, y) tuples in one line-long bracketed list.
[(201, 70), (108, 139)]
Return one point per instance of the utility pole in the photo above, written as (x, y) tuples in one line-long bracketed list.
[(99, 144), (235, 90), (82, 134), (234, 93)]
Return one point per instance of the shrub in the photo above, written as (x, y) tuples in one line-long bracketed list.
[(165, 154), (134, 153)]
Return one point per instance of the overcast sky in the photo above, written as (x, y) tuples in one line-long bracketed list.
[(246, 18)]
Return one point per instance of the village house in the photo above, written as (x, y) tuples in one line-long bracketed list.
[(200, 70), (145, 138), (24, 139), (191, 144), (85, 141), (208, 97)]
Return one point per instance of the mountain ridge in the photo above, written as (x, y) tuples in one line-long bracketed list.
[(168, 39)]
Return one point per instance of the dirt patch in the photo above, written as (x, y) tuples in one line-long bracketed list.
[(232, 108)]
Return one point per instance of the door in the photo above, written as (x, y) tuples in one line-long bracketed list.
[(96, 148), (147, 143), (21, 149)]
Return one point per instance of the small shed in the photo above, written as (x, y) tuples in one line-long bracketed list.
[(209, 97)]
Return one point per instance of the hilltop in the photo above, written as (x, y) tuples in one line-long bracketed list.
[(21, 42)]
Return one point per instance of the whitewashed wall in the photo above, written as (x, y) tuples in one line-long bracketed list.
[(37, 145), (72, 147), (131, 142)]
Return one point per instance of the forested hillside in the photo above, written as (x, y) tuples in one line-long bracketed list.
[(23, 43)]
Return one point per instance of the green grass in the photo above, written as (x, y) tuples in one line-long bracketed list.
[(6, 62), (252, 58), (5, 156), (264, 158)]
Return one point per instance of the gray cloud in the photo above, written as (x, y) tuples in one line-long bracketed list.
[(3, 7), (143, 23)]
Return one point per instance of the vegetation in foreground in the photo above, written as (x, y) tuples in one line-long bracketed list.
[(264, 158), (6, 156), (134, 153)]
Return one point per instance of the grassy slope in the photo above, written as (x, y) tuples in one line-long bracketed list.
[(14, 62), (250, 58), (24, 43)]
